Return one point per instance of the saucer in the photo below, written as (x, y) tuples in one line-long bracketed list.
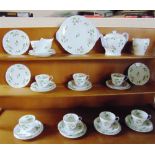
[(86, 86), (124, 86), (79, 131), (26, 135), (146, 127), (113, 130), (44, 54), (34, 87)]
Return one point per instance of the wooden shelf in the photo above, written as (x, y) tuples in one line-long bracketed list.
[(50, 119), (63, 91), (59, 57)]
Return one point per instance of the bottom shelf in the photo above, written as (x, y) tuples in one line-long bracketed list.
[(50, 118)]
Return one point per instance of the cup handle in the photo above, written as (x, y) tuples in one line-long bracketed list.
[(126, 77), (51, 77), (117, 119), (80, 118), (88, 77), (149, 117)]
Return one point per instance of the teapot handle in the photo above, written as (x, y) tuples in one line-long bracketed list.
[(103, 41), (126, 35)]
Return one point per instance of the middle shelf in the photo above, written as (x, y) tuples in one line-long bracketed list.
[(62, 91)]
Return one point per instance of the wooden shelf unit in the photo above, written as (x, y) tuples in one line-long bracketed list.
[(62, 66)]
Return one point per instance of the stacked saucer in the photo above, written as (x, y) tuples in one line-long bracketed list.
[(28, 128), (107, 123), (139, 121), (47, 53), (42, 48), (71, 126), (43, 83), (80, 82)]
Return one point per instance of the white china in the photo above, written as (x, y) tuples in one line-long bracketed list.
[(114, 43), (107, 119), (85, 87), (71, 120), (77, 35), (125, 85), (16, 42), (27, 122), (138, 73), (19, 133), (43, 80), (113, 130), (118, 79), (78, 132), (42, 45), (146, 127), (18, 76), (140, 45), (139, 117), (34, 87), (80, 79), (48, 53)]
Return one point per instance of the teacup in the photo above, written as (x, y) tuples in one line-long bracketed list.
[(107, 118), (139, 117), (118, 78), (27, 122), (43, 80), (140, 45), (80, 79), (42, 46), (71, 120)]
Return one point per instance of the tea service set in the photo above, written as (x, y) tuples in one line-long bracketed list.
[(44, 83), (72, 126), (118, 82), (107, 123), (42, 48), (28, 127), (77, 35), (19, 75), (138, 74), (80, 82), (114, 42), (139, 121)]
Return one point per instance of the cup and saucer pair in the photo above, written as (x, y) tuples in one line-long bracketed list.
[(28, 128), (107, 123), (42, 48), (118, 82), (80, 82), (71, 126), (139, 121), (43, 83)]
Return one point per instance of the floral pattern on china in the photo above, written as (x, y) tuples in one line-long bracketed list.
[(16, 42), (18, 76), (114, 43), (77, 35), (138, 73)]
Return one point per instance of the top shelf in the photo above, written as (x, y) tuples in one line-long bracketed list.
[(57, 57)]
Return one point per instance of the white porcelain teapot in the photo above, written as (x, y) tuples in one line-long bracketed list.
[(114, 42)]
